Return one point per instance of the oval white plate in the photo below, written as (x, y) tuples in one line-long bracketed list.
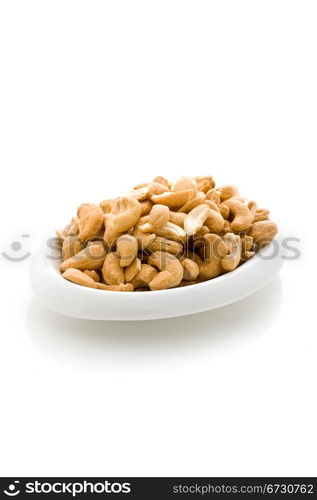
[(81, 302)]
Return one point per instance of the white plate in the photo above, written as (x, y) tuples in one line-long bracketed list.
[(81, 302)]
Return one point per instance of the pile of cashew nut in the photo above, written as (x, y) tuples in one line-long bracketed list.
[(161, 236)]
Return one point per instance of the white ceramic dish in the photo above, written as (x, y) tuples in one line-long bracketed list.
[(81, 302)]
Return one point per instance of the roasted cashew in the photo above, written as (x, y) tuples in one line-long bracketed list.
[(174, 199), (146, 207), (127, 249), (263, 232), (71, 245), (213, 195), (144, 239), (145, 276), (171, 271), (92, 274), (227, 192), (205, 183), (232, 260), (112, 272), (132, 270), (199, 198), (214, 222), (159, 215), (191, 269), (78, 277), (261, 214), (169, 230), (214, 251), (195, 219), (177, 218), (126, 211), (91, 257), (90, 220), (184, 183), (242, 217), (165, 245)]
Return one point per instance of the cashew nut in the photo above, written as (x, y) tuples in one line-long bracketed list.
[(165, 245), (191, 269), (159, 215), (126, 211), (127, 249), (242, 217), (91, 257), (71, 246), (194, 221), (173, 199), (132, 270), (215, 222), (90, 220), (145, 276), (227, 192), (232, 260), (263, 232), (214, 251), (169, 230), (171, 271), (184, 183), (112, 272)]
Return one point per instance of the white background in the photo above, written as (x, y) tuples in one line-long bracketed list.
[(96, 97)]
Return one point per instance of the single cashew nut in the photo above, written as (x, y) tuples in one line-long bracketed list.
[(173, 199), (146, 207), (191, 269), (261, 214), (145, 276), (194, 221), (177, 218), (213, 195), (247, 255), (263, 232), (91, 257), (111, 233), (161, 180), (205, 183), (232, 260), (127, 249), (165, 245), (92, 274), (246, 243), (199, 198), (252, 207), (184, 183), (169, 230), (126, 211), (106, 205), (242, 217), (224, 210), (90, 220), (215, 222), (128, 287), (159, 215), (132, 270), (112, 272), (71, 246), (213, 252), (227, 192), (171, 271), (144, 239), (78, 277)]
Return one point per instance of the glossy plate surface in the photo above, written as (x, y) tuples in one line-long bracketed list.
[(77, 301)]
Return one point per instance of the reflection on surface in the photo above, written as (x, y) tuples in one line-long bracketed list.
[(98, 344)]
